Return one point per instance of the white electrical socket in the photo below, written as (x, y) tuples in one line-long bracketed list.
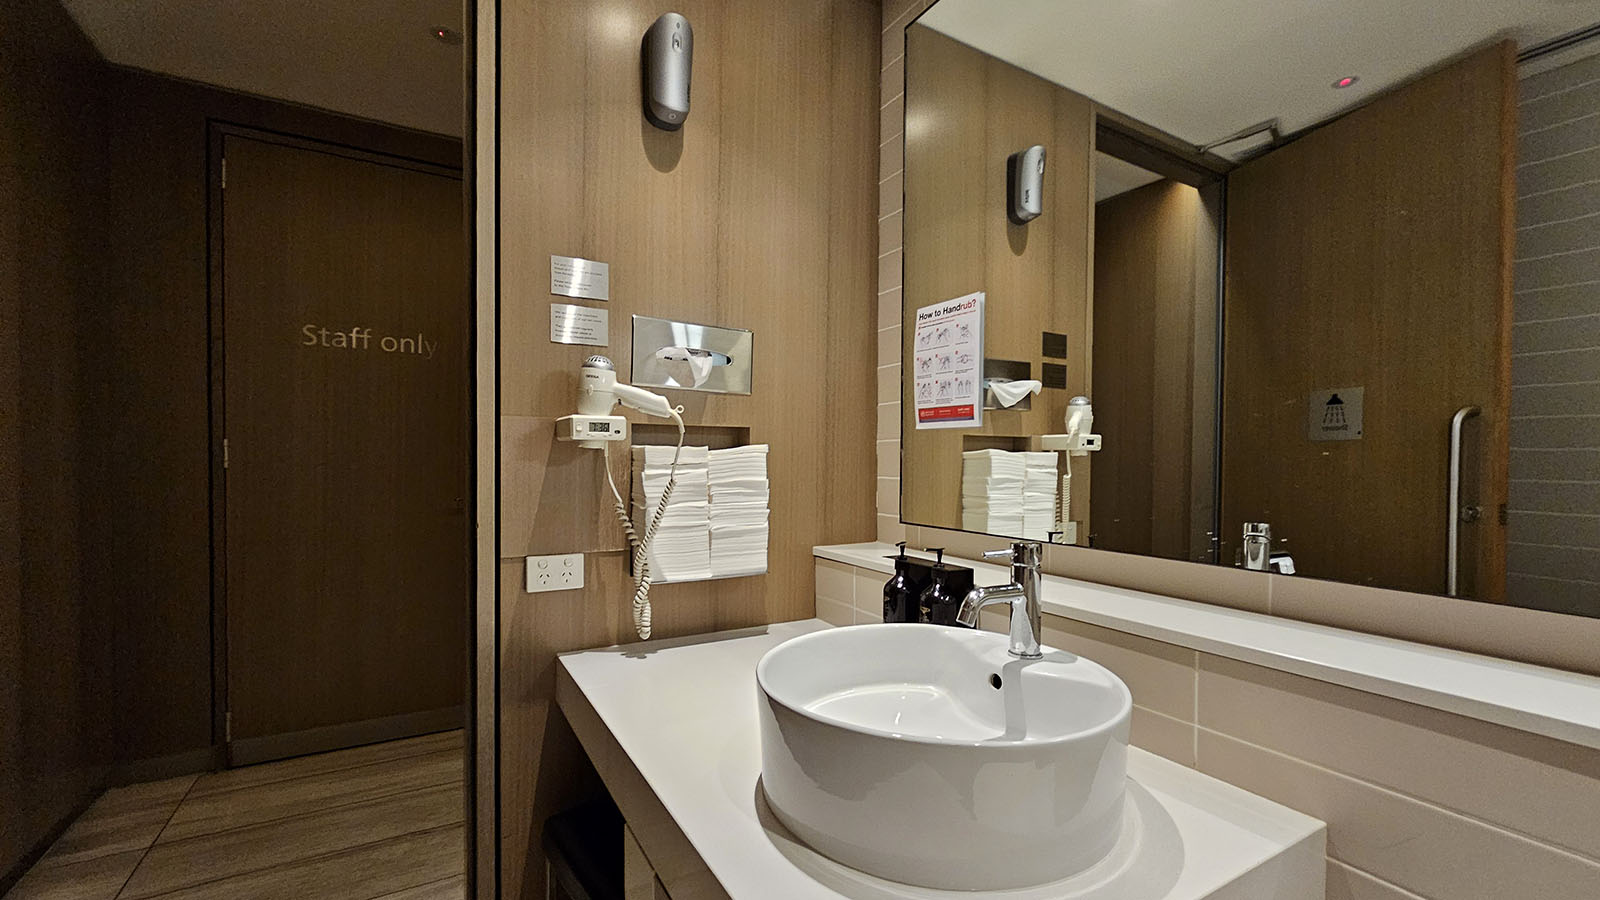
[(563, 572)]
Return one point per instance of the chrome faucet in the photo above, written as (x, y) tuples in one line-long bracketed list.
[(1022, 594), (1257, 546)]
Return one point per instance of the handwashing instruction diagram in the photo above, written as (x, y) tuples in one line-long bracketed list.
[(947, 348)]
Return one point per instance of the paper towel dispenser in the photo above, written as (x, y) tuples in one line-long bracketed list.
[(691, 357)]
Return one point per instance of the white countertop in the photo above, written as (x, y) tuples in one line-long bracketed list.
[(684, 713), (1551, 702)]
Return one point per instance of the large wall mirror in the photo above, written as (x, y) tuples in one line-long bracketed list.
[(1310, 289)]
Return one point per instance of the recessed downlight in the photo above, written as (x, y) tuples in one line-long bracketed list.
[(445, 35), (1346, 81)]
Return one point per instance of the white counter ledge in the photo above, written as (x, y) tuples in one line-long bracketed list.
[(672, 728), (1551, 702)]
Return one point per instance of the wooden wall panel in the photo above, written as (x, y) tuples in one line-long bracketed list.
[(1144, 317), (758, 214), (969, 113), (54, 635), (1375, 252), (146, 390)]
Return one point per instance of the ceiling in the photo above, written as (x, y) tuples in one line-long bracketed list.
[(1203, 69), (376, 59)]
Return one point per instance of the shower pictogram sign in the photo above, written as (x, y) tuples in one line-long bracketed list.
[(1335, 415)]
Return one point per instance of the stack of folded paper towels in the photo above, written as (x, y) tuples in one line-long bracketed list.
[(715, 523), (739, 495), (1009, 492)]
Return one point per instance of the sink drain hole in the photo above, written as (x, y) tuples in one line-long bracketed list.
[(994, 681)]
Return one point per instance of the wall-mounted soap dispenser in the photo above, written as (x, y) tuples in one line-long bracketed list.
[(667, 58), (947, 587), (1025, 183)]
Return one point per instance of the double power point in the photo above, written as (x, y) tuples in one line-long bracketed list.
[(554, 573)]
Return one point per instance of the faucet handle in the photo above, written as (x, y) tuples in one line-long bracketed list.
[(1020, 553)]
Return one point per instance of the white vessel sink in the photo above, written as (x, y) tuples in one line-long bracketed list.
[(930, 756)]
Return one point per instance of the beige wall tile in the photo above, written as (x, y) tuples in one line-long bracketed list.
[(1163, 736), (893, 81), (889, 459), (1535, 636), (1417, 846), (888, 421), (869, 595), (889, 238), (901, 10), (888, 317), (889, 271), (892, 118), (1544, 788), (964, 544), (888, 385), (889, 349), (889, 496), (1220, 585), (894, 36), (890, 530), (891, 159), (995, 619), (1345, 883), (891, 196), (835, 581), (835, 613), (1161, 676)]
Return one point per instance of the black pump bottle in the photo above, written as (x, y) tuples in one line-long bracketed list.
[(900, 594), (940, 602)]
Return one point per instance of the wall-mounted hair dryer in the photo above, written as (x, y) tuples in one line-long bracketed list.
[(1078, 441), (1025, 184), (667, 58), (598, 393)]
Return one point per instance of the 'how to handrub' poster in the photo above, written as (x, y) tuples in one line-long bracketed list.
[(947, 361)]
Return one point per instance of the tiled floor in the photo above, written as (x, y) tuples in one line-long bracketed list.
[(383, 821)]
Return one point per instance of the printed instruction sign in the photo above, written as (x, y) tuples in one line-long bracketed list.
[(571, 276), (573, 324), (947, 363), (1335, 415)]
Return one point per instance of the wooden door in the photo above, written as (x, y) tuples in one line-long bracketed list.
[(345, 415), (1146, 284), (1375, 252)]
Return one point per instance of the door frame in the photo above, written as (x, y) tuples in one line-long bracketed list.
[(217, 132)]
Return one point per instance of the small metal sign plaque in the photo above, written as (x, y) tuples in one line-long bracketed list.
[(586, 279), (573, 324), (1335, 415)]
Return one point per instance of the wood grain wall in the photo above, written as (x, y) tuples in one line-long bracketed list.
[(758, 214), (54, 635), (146, 385), (1376, 252), (971, 112), (1146, 285)]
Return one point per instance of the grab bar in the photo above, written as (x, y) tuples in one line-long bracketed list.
[(1452, 563)]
